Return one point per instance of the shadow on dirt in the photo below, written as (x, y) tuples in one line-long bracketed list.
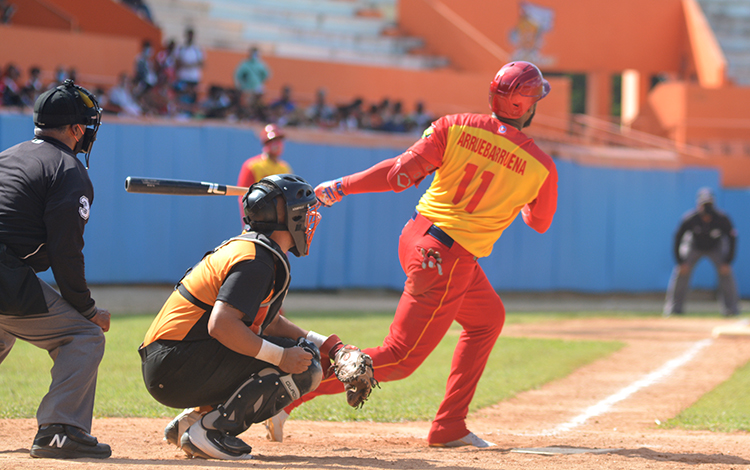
[(692, 459)]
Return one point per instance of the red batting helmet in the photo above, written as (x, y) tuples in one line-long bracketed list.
[(515, 89), (270, 132)]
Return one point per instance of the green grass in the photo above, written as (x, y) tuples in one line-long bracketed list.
[(726, 408), (516, 364)]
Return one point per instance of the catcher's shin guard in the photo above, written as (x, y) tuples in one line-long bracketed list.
[(262, 396)]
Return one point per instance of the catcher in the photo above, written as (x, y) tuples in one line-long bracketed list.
[(218, 346)]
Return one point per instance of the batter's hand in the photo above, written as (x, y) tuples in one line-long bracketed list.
[(295, 360), (725, 269), (101, 318), (684, 269), (329, 192)]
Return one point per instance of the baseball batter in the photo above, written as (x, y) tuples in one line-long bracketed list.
[(487, 171)]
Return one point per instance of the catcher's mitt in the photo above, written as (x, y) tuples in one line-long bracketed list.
[(354, 369)]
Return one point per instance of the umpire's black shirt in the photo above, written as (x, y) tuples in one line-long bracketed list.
[(45, 198), (706, 235)]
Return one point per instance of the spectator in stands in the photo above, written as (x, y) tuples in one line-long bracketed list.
[(120, 98), (189, 69), (9, 87), (250, 78), (6, 11), (419, 120), (319, 113), (217, 103), (145, 74), (283, 110), (166, 61), (140, 7), (350, 116), (373, 119), (60, 75), (33, 87), (396, 119), (72, 74)]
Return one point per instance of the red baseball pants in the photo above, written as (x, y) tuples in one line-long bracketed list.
[(431, 301)]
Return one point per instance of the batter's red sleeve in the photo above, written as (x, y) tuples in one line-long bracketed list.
[(371, 180), (538, 213)]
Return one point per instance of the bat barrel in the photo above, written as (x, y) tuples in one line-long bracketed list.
[(180, 187)]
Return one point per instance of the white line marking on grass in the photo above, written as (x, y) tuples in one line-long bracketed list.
[(650, 379)]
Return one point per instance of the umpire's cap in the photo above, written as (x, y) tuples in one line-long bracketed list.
[(64, 105), (704, 195)]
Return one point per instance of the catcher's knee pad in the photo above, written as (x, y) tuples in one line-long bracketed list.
[(262, 396)]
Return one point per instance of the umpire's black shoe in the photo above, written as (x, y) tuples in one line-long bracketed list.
[(62, 441)]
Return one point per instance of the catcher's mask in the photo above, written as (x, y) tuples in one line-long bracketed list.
[(302, 215), (69, 104), (515, 89)]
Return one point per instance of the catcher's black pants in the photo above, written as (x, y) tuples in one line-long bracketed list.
[(185, 374)]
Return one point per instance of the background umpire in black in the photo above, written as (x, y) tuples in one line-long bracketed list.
[(704, 231), (45, 202)]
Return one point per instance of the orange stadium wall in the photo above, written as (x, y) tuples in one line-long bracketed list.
[(108, 17), (41, 14), (585, 35), (98, 59), (690, 114)]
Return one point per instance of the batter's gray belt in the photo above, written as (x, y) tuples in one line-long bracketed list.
[(437, 233)]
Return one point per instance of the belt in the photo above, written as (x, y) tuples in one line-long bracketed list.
[(437, 233)]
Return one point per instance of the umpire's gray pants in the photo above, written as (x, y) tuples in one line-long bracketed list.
[(76, 346), (679, 284)]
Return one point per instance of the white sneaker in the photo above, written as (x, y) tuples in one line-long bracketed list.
[(213, 444), (470, 439), (275, 426), (177, 427)]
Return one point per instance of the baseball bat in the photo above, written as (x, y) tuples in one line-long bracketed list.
[(181, 187)]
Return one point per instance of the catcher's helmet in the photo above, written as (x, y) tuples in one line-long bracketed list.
[(270, 132), (69, 104), (302, 215), (515, 89)]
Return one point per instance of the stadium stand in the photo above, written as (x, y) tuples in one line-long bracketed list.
[(358, 32)]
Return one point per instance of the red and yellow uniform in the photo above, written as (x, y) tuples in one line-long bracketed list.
[(258, 167), (486, 173)]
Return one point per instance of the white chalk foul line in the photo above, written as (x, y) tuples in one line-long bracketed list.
[(659, 374)]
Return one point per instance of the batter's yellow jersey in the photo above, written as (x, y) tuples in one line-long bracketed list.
[(258, 167), (487, 173)]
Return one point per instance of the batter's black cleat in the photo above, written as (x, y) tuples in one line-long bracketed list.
[(63, 441), (213, 444)]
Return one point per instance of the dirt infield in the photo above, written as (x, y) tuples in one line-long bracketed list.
[(602, 416)]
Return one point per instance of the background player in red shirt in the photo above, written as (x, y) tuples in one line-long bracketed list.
[(486, 173), (268, 163)]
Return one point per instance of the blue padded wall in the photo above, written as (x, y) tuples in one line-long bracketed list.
[(612, 232)]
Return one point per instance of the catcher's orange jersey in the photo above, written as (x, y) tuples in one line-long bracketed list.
[(487, 173), (179, 319)]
